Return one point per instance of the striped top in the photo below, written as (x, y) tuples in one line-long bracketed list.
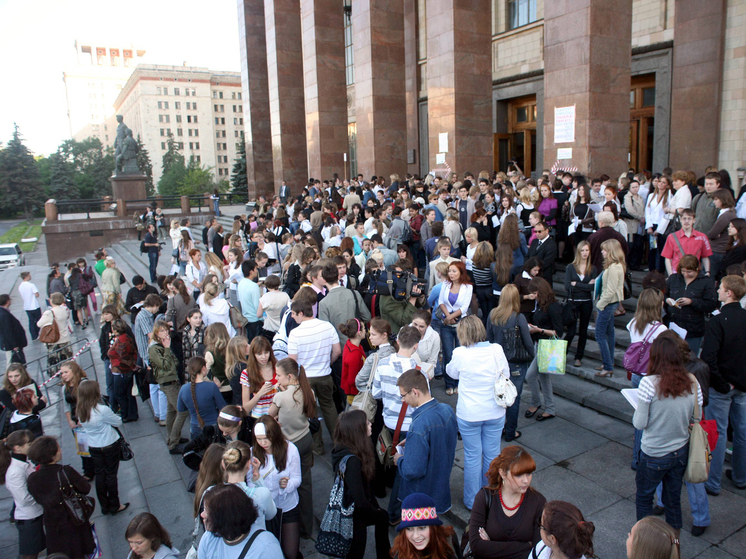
[(311, 341), (482, 276), (384, 387), (262, 406)]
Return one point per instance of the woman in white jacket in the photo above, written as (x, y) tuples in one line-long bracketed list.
[(215, 309), (477, 364), (428, 349), (276, 463), (656, 223)]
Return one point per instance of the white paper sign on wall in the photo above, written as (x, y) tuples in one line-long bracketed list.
[(564, 124), (440, 158), (564, 153), (443, 142)]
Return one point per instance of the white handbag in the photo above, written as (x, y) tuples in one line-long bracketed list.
[(504, 390)]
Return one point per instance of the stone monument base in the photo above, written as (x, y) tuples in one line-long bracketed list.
[(130, 187)]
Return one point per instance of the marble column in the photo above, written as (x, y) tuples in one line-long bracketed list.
[(411, 86), (587, 53), (459, 83), (285, 77), (696, 92), (378, 39), (325, 86), (252, 40)]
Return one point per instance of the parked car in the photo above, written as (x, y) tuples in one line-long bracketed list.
[(11, 256)]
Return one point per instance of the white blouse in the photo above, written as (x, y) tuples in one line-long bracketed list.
[(285, 499), (654, 214)]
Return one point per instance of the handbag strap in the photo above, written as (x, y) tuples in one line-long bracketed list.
[(376, 357), (248, 543), (678, 242), (397, 431), (697, 410)]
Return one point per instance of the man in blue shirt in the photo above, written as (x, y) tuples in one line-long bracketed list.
[(430, 446), (248, 297)]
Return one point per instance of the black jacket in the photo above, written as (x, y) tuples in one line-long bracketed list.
[(135, 296), (704, 300), (725, 335), (357, 489), (547, 253), (195, 448), (583, 288), (12, 334)]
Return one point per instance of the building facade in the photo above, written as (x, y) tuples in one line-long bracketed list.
[(201, 108), (93, 81), (438, 84)]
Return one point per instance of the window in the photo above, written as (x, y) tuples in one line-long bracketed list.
[(222, 108), (196, 146), (179, 132), (160, 118), (163, 144), (191, 144), (194, 119), (167, 118), (233, 95), (165, 104), (235, 133), (178, 118), (240, 108), (214, 94), (217, 134), (165, 91), (189, 130), (160, 104), (176, 91), (163, 132), (349, 51), (240, 121), (223, 131), (215, 107), (220, 94), (217, 120), (196, 131), (234, 109), (222, 121), (218, 146), (225, 146), (194, 106), (168, 131), (521, 12), (239, 95), (177, 105), (181, 145), (159, 90), (235, 120)]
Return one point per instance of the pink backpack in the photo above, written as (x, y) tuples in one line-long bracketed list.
[(637, 356)]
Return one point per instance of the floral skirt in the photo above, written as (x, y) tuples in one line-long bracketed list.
[(114, 299)]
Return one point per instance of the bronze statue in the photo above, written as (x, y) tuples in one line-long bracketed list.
[(125, 150)]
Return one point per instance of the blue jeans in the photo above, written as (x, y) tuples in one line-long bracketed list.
[(722, 408), (33, 318), (511, 414), (697, 502), (605, 335), (668, 469), (153, 265), (638, 433), (694, 344), (448, 342), (481, 446), (159, 402)]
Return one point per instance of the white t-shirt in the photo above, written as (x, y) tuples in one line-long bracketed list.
[(312, 342), (28, 292), (635, 336), (273, 302)]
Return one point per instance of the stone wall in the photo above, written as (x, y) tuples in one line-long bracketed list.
[(732, 152)]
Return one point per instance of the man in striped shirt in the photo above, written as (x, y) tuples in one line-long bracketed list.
[(385, 388), (314, 344)]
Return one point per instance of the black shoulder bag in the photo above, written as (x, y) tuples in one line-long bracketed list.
[(466, 550)]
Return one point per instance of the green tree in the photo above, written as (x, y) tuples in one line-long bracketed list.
[(93, 165), (20, 183), (239, 178), (197, 180), (45, 171), (173, 168), (143, 162), (172, 156), (61, 185)]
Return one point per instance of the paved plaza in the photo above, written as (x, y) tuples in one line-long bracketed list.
[(582, 456)]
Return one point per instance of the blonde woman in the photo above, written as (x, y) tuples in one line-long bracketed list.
[(471, 236), (215, 266), (580, 281), (110, 286), (216, 344), (612, 293), (525, 206), (215, 309)]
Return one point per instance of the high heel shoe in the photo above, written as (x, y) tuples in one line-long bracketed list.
[(604, 374), (599, 368)]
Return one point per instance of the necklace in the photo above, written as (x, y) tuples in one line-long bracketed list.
[(506, 507)]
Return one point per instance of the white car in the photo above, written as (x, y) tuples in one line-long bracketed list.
[(11, 256)]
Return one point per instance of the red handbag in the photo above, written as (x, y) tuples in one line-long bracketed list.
[(710, 427)]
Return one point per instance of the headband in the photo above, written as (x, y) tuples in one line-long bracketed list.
[(358, 325), (260, 430), (229, 417)]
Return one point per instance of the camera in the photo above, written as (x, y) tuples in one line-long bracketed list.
[(399, 285)]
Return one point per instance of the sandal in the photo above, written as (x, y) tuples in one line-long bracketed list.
[(578, 363), (449, 391), (620, 313), (530, 413), (604, 374)]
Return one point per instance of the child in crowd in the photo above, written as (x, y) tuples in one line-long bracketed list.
[(353, 355)]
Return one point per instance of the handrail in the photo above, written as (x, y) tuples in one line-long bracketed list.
[(173, 201), (44, 372)]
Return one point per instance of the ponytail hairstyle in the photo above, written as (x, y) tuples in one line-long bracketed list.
[(574, 534), (290, 367), (381, 326), (89, 396), (653, 538), (235, 355), (16, 438), (231, 411), (211, 292), (236, 457), (180, 286), (351, 328), (194, 368)]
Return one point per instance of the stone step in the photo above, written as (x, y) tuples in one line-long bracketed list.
[(593, 395)]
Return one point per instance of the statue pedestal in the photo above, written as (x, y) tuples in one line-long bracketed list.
[(130, 187)]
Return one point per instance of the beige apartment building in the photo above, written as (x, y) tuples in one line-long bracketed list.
[(401, 86), (93, 79), (203, 109)]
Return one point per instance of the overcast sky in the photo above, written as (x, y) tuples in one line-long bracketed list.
[(37, 38)]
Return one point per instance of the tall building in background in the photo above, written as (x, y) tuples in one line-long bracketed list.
[(203, 109), (92, 83)]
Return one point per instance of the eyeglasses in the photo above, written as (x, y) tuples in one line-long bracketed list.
[(405, 394)]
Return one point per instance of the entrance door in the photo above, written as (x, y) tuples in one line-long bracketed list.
[(642, 122), (519, 143)]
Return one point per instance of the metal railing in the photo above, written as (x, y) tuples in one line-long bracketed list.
[(108, 205), (43, 373)]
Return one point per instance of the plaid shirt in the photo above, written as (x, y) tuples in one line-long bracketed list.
[(384, 387), (192, 346)]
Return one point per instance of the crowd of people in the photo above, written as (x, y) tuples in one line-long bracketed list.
[(347, 302)]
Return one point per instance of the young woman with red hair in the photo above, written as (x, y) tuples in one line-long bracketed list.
[(453, 305)]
